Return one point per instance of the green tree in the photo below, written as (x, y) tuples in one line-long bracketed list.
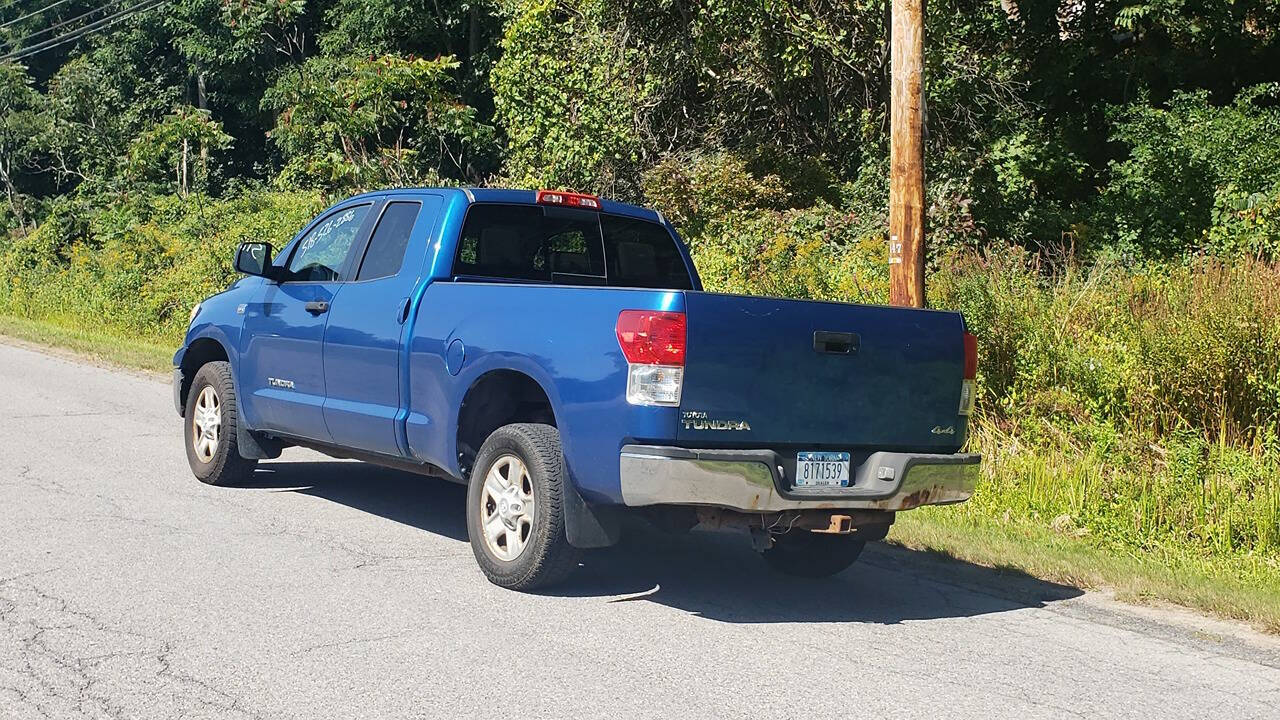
[(20, 126), (572, 96), (180, 143), (364, 122)]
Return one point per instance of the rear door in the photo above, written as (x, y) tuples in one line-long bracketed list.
[(282, 369), (817, 375), (366, 325)]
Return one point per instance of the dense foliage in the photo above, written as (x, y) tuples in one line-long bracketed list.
[(1147, 130)]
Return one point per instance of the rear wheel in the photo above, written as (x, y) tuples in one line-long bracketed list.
[(211, 423), (515, 508), (813, 555)]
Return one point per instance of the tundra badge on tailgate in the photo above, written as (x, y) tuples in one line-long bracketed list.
[(697, 420)]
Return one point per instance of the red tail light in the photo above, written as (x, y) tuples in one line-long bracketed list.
[(650, 337), (568, 199), (970, 356)]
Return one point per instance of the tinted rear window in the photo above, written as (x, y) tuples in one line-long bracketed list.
[(522, 242), (642, 254), (568, 246)]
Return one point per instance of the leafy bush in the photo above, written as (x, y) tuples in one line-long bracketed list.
[(1161, 198), (138, 267), (745, 237), (1245, 223)]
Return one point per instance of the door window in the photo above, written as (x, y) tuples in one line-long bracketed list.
[(322, 252), (390, 239)]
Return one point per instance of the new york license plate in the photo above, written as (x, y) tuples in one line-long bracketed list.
[(822, 469)]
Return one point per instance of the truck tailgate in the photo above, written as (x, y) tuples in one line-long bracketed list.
[(820, 375)]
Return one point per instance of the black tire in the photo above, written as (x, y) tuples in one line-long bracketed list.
[(813, 555), (223, 464), (547, 557)]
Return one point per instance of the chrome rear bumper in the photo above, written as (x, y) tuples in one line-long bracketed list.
[(755, 480)]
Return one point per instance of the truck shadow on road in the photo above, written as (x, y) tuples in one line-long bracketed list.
[(713, 575)]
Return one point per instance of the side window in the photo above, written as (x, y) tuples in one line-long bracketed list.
[(321, 253), (533, 243), (390, 239), (642, 254)]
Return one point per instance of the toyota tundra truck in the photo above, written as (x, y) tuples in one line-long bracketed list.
[(556, 354)]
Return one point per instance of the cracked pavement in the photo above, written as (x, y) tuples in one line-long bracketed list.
[(328, 588)]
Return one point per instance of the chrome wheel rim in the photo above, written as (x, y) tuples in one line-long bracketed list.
[(507, 508), (206, 424)]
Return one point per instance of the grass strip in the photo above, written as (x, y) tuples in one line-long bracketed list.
[(100, 346), (1241, 587)]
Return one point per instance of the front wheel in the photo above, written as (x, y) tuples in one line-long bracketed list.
[(515, 508), (211, 423), (813, 555)]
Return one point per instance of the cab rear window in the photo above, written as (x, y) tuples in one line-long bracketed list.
[(567, 246)]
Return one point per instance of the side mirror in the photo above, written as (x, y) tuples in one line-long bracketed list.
[(254, 258)]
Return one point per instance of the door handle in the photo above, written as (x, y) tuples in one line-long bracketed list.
[(403, 313), (316, 307), (837, 343)]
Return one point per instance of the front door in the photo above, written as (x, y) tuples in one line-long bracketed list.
[(281, 346), (362, 344)]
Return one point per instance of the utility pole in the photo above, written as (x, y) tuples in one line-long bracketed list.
[(906, 155)]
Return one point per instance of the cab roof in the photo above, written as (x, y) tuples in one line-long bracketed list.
[(521, 197)]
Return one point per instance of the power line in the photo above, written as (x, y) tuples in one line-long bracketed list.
[(84, 30), (34, 13), (68, 21)]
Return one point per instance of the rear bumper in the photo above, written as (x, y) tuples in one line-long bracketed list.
[(755, 480)]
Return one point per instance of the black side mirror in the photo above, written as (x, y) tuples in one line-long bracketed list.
[(254, 258)]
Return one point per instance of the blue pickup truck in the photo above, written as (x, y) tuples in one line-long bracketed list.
[(555, 353)]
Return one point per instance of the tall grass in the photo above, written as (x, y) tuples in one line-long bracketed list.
[(1134, 408)]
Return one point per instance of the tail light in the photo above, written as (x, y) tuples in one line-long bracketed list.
[(653, 343), (568, 199), (969, 384)]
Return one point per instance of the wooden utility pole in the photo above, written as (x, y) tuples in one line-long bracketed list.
[(906, 156)]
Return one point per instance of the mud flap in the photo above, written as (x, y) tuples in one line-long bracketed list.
[(588, 526), (252, 445)]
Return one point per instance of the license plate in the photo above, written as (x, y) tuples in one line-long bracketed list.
[(822, 469)]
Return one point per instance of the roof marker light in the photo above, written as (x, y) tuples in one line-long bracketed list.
[(568, 199)]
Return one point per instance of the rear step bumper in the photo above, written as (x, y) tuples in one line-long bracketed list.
[(755, 480)]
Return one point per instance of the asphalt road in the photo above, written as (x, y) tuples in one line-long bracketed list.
[(335, 589)]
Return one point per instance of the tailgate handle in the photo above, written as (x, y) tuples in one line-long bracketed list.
[(838, 343)]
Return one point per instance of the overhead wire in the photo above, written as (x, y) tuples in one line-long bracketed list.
[(63, 23), (33, 13), (84, 30)]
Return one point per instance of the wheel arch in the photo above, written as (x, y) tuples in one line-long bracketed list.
[(497, 397), (198, 353)]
